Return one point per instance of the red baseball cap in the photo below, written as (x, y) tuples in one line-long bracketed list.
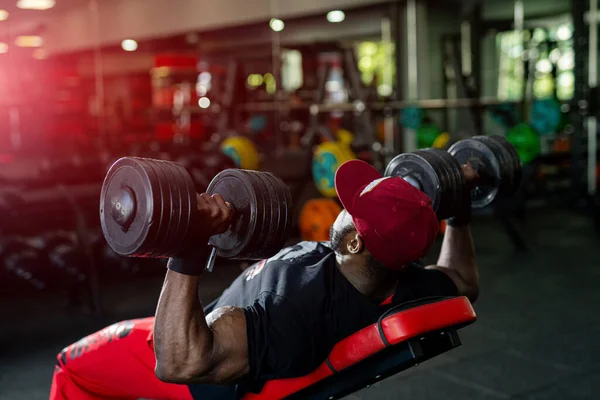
[(394, 219)]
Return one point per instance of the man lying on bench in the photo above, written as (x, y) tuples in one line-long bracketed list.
[(281, 317)]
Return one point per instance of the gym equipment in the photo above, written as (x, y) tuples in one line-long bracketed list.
[(525, 141), (441, 141), (405, 336), (257, 123), (433, 171), (504, 114), (23, 261), (147, 209), (426, 135), (317, 218), (412, 117), (497, 163), (64, 255), (242, 151), (545, 116), (345, 137), (439, 173), (326, 160), (204, 166)]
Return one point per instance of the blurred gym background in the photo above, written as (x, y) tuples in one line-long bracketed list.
[(296, 88)]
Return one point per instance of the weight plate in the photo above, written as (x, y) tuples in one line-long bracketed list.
[(128, 208), (456, 184), (327, 158), (180, 223), (416, 170), (317, 218), (485, 162), (189, 205), (284, 200), (285, 212), (505, 173), (272, 218), (263, 217), (545, 116), (242, 150), (513, 157), (411, 117), (446, 172), (237, 189), (160, 247)]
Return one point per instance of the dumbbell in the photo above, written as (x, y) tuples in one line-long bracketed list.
[(438, 173), (148, 209), (21, 260), (64, 256)]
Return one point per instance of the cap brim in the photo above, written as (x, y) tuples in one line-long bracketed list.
[(351, 177)]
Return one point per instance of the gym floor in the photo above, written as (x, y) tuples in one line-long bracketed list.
[(536, 336)]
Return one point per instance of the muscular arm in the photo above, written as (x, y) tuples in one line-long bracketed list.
[(191, 347), (457, 260)]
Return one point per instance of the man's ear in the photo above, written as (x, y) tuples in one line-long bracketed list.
[(355, 245)]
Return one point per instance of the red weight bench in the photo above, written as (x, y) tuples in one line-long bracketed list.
[(403, 337)]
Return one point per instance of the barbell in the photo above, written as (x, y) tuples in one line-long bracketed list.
[(148, 209), (438, 173)]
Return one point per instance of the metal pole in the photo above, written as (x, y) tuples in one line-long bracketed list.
[(409, 139), (593, 84), (388, 121), (276, 60)]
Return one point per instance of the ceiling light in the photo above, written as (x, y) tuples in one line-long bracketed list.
[(276, 24), (29, 41), (3, 48), (3, 15), (36, 4), (129, 45), (204, 102), (336, 16)]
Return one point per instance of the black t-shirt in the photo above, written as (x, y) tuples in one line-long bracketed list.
[(298, 305)]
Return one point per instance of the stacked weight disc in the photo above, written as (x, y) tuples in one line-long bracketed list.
[(262, 206), (434, 172), (146, 207), (497, 163)]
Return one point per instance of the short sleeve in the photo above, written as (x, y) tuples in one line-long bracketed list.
[(280, 344), (417, 283)]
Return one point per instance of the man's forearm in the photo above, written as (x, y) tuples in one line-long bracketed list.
[(458, 254), (182, 339)]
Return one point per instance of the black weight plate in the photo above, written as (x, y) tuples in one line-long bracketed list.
[(238, 190), (263, 217), (280, 228), (285, 208), (445, 175), (514, 159), (189, 206), (160, 246), (483, 159), (271, 219), (130, 184), (456, 182), (417, 170), (506, 168), (182, 196)]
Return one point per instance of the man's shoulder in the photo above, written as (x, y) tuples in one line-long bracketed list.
[(309, 252)]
